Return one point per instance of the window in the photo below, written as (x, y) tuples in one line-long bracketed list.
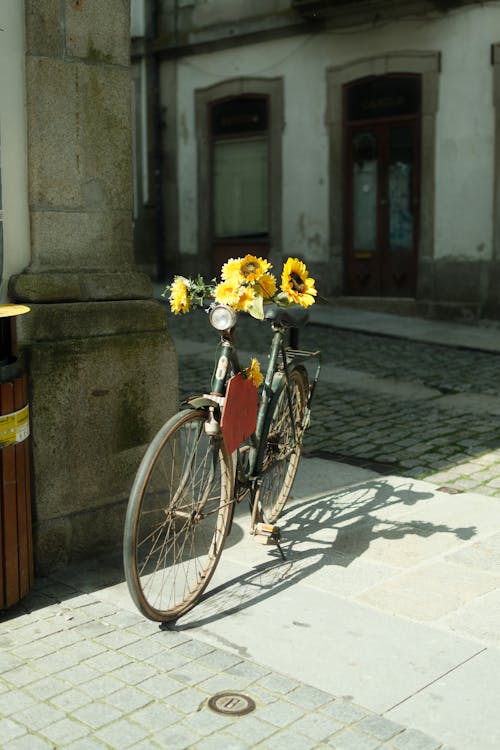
[(240, 168), (383, 97), (239, 124)]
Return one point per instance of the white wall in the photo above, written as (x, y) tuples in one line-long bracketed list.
[(13, 141), (137, 18), (465, 124), (465, 147)]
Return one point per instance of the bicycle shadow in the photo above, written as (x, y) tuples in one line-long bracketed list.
[(324, 534)]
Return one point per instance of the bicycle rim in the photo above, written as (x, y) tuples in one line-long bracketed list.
[(178, 517), (282, 451)]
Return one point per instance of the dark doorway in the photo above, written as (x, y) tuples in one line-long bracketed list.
[(382, 185)]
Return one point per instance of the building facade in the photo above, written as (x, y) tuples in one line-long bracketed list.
[(359, 136)]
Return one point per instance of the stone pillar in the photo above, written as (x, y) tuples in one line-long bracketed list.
[(102, 367)]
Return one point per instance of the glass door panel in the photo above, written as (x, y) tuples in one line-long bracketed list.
[(382, 210), (363, 223), (364, 191), (400, 175)]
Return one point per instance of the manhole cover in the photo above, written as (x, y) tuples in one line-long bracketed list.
[(235, 704)]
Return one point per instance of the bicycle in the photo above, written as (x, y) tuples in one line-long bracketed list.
[(222, 447)]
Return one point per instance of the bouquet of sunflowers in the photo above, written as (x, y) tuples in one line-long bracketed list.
[(246, 285)]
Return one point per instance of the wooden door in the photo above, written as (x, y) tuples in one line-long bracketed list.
[(381, 205)]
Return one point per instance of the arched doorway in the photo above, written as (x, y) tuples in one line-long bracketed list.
[(382, 185), (425, 66)]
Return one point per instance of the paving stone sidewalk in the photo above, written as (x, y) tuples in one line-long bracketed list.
[(424, 410), (81, 673)]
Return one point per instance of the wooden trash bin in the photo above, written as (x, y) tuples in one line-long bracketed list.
[(16, 539)]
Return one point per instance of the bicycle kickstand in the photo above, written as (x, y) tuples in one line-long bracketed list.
[(269, 534), (280, 550)]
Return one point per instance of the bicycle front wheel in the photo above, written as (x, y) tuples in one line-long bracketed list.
[(283, 446), (178, 516)]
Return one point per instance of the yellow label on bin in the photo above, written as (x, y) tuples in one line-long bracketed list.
[(14, 427)]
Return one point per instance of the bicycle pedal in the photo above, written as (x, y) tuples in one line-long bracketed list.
[(267, 533)]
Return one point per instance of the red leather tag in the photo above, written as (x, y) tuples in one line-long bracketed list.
[(239, 413)]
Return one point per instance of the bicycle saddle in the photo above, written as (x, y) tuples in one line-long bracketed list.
[(291, 317)]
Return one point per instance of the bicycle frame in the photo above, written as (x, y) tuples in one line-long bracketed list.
[(227, 363)]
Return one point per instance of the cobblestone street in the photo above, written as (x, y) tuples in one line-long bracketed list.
[(81, 672), (418, 409)]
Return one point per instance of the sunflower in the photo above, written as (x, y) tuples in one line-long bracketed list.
[(226, 293), (248, 269), (247, 296), (253, 372), (179, 296), (266, 286), (297, 284), (234, 295)]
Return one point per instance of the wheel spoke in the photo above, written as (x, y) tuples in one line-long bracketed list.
[(177, 519), (284, 444)]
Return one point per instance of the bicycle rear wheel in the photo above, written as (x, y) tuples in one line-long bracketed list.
[(178, 516), (281, 449)]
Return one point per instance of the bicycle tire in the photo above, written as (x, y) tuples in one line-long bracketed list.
[(281, 455), (178, 517)]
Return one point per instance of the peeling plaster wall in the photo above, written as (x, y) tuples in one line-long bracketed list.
[(465, 137)]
